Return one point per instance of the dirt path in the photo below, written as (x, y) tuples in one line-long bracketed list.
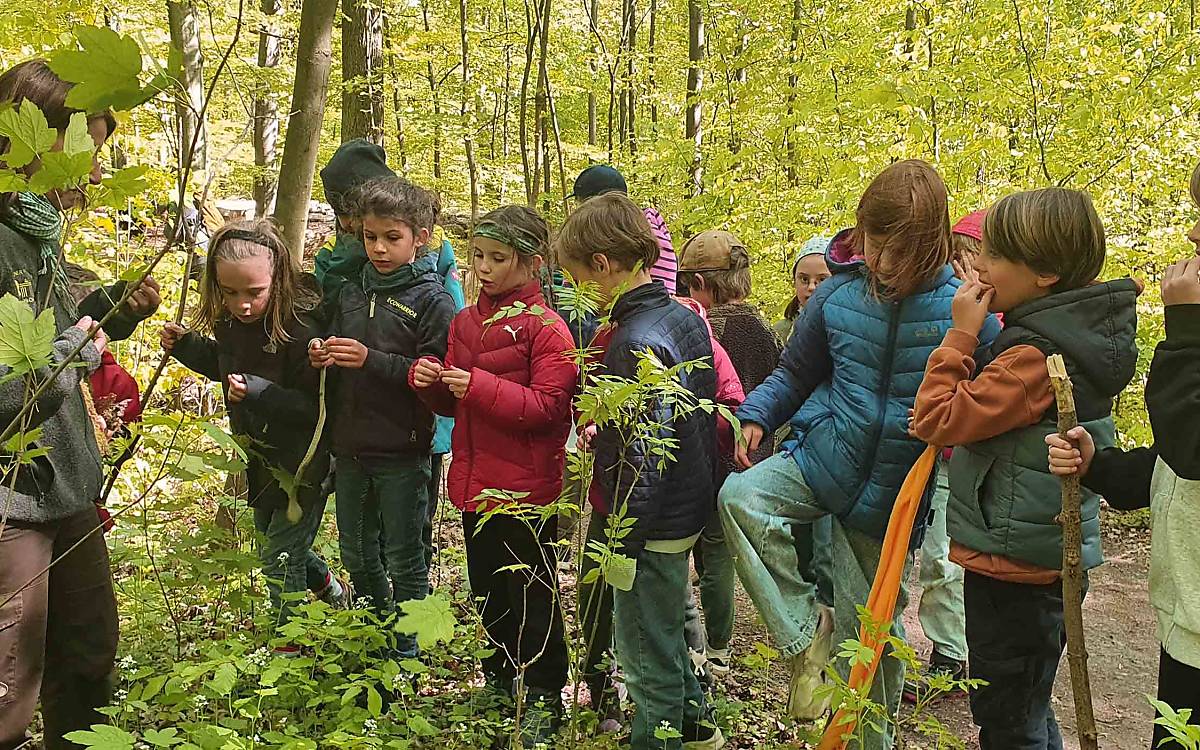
[(1121, 643)]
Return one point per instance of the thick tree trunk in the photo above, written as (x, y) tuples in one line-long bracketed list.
[(184, 27), (313, 58), (362, 85), (694, 125), (266, 112), (468, 121)]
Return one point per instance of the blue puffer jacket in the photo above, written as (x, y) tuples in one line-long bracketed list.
[(850, 374), (447, 268)]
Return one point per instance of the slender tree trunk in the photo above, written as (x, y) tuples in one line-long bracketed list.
[(397, 102), (694, 124), (594, 67), (313, 59), (266, 111), (793, 85), (630, 83), (437, 101), (362, 85), (738, 83), (531, 25), (185, 35), (651, 45), (543, 99), (507, 109), (468, 124)]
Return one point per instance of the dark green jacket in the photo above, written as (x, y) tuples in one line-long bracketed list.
[(66, 480), (1003, 499)]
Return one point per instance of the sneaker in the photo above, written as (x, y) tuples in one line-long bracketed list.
[(541, 718), (938, 666), (719, 660), (337, 593), (703, 736), (808, 671)]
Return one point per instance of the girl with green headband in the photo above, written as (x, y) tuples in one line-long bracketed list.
[(508, 380)]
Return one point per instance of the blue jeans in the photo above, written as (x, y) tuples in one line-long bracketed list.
[(285, 549), (652, 652), (941, 611), (760, 508), (381, 504)]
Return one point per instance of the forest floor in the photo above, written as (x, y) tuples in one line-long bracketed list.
[(1121, 642)]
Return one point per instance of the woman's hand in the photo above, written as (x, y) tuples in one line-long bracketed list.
[(458, 381), (1073, 456), (348, 353), (237, 388), (145, 298), (426, 372), (752, 435), (170, 335)]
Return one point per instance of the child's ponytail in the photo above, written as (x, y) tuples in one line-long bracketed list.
[(905, 212), (290, 296)]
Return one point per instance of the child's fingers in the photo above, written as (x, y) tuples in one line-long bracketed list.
[(1076, 433)]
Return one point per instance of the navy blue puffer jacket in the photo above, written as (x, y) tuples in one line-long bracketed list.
[(850, 374), (671, 500)]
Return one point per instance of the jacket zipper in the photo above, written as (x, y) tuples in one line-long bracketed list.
[(877, 433), (371, 309)]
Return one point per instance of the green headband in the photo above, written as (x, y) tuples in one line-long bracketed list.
[(493, 231)]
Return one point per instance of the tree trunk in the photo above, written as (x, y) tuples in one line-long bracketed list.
[(185, 36), (594, 67), (630, 83), (468, 124), (313, 58), (437, 102), (793, 85), (543, 105), (362, 85), (397, 104), (266, 112), (532, 21), (694, 126), (650, 47), (1072, 572)]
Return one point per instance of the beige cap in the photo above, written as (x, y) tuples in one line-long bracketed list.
[(709, 251)]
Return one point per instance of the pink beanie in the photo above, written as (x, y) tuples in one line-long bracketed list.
[(971, 225)]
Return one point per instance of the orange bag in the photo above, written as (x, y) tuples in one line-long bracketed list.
[(885, 589)]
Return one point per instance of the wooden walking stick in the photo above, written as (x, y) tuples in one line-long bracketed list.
[(1072, 570)]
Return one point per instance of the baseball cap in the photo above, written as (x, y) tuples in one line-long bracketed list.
[(709, 251), (597, 180)]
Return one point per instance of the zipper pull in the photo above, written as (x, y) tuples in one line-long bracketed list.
[(371, 310)]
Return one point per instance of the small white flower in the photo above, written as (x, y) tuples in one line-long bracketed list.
[(199, 702), (283, 557), (370, 725), (127, 663), (120, 696)]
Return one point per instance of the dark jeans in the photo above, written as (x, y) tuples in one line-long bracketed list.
[(381, 505), (1015, 640), (435, 494), (59, 636), (519, 607), (285, 549), (652, 652), (1178, 687), (596, 617)]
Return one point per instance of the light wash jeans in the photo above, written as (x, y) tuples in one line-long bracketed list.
[(941, 611), (759, 507)]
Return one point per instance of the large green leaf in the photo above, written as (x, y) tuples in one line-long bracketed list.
[(61, 170), (105, 71), (26, 342), (27, 132), (430, 619), (103, 737), (115, 191)]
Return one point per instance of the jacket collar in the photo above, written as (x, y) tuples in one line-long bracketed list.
[(530, 294), (402, 278), (641, 298)]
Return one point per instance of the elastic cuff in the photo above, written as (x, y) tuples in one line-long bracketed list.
[(1182, 324), (961, 341), (89, 354)]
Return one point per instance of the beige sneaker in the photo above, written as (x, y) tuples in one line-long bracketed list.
[(808, 671)]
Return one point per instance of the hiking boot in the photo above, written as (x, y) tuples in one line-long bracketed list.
[(703, 736), (939, 666), (808, 671), (719, 661), (541, 718)]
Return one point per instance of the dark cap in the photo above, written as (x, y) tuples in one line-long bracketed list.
[(599, 179), (354, 163)]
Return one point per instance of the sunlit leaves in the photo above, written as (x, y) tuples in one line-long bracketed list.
[(430, 619), (26, 342), (106, 70), (27, 132)]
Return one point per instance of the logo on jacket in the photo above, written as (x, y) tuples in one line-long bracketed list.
[(402, 307), (929, 332), (22, 284), (513, 332)]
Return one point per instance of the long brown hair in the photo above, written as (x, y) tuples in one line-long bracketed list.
[(240, 240), (34, 81), (610, 225), (906, 206)]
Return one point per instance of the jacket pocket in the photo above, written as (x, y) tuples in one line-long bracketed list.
[(970, 475)]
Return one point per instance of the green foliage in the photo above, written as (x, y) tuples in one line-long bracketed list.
[(107, 71), (1183, 733), (26, 342), (429, 619), (29, 136)]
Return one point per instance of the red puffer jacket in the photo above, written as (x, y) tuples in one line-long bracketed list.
[(512, 425)]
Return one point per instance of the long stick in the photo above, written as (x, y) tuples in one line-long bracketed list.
[(1072, 571)]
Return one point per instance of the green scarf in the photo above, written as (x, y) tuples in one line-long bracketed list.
[(402, 278), (35, 217)]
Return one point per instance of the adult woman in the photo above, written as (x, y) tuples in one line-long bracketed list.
[(58, 637)]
